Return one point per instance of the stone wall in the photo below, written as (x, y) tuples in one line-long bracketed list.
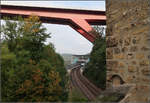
[(128, 45)]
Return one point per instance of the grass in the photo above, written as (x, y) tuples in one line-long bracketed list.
[(110, 98)]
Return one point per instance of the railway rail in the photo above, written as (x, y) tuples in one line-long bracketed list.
[(83, 84)]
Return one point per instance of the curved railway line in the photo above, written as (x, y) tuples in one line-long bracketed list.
[(83, 84)]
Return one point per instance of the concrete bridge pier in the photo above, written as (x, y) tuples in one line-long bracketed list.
[(128, 47)]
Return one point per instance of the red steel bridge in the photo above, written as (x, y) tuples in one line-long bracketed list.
[(80, 20)]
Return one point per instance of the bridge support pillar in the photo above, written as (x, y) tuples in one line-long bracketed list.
[(128, 46)]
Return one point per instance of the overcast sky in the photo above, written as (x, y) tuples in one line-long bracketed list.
[(65, 39)]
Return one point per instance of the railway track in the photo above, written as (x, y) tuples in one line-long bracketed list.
[(83, 84), (90, 86)]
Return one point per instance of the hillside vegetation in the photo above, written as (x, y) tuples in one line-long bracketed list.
[(95, 70), (31, 70)]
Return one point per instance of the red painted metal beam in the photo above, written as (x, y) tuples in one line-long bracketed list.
[(80, 20)]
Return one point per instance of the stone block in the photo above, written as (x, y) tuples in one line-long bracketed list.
[(133, 49), (145, 80), (121, 65), (143, 88), (120, 42), (109, 76), (127, 41), (111, 65), (144, 63), (136, 40), (116, 50), (119, 56), (109, 30), (111, 42), (140, 56), (125, 49), (144, 48), (129, 79), (140, 30), (130, 56), (131, 69), (134, 62), (146, 71), (121, 70), (109, 53)]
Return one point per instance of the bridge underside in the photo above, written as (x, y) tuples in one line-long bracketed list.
[(80, 20)]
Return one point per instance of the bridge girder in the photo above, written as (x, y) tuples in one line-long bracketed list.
[(80, 20)]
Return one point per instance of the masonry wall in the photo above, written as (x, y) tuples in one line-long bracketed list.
[(128, 45)]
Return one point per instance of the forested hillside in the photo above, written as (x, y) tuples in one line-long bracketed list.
[(95, 70), (31, 70)]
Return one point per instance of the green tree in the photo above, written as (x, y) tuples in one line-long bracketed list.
[(8, 60), (95, 70), (31, 70)]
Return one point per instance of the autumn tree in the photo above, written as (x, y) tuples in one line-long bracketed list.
[(31, 70)]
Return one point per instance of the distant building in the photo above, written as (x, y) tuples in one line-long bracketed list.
[(80, 59), (67, 59), (70, 60)]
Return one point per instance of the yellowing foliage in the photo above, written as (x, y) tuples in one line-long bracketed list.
[(31, 70), (35, 88), (30, 22)]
